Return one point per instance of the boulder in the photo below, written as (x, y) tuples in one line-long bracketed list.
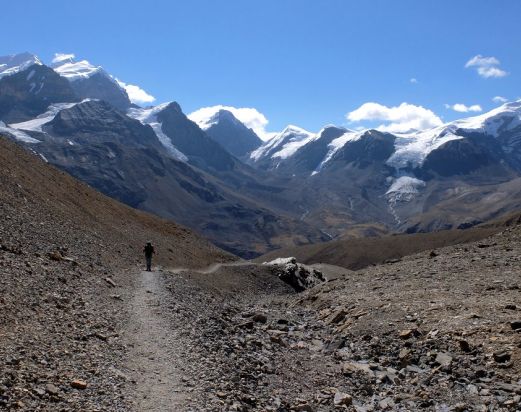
[(297, 275)]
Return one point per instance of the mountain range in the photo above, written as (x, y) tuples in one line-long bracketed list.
[(248, 196)]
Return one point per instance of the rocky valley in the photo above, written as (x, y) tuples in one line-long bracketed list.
[(357, 270), (216, 176)]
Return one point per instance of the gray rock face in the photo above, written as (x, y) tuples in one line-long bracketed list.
[(467, 155), (232, 134), (101, 86), (194, 142), (124, 159), (97, 122), (28, 93)]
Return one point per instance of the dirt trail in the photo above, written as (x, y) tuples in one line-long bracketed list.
[(154, 353), (209, 269)]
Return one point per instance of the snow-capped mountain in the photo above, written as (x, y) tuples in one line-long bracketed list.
[(149, 116), (410, 150), (311, 186), (66, 65), (28, 93), (281, 146), (16, 63), (231, 133), (223, 126), (89, 81)]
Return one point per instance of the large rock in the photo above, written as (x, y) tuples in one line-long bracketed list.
[(298, 276)]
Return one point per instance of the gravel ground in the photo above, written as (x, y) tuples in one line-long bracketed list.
[(83, 328), (435, 331)]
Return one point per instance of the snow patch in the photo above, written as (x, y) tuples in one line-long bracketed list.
[(336, 145), (284, 144), (411, 150), (76, 70), (403, 190), (405, 187), (500, 119), (37, 123), (17, 63), (17, 134)]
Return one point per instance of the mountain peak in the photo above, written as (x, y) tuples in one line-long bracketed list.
[(15, 63), (67, 66), (224, 115), (292, 129), (173, 107)]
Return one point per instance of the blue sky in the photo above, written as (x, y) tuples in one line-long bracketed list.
[(299, 62)]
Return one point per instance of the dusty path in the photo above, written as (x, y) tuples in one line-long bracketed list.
[(210, 269), (154, 354)]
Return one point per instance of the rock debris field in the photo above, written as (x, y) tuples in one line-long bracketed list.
[(84, 328)]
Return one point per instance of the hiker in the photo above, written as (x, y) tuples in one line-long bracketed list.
[(149, 251)]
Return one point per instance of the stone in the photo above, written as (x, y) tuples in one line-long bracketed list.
[(79, 384), (515, 325), (335, 344), (51, 389), (110, 282), (406, 333), (342, 399), (404, 357), (386, 403), (464, 345), (260, 318), (338, 316), (40, 392), (443, 359), (508, 387), (349, 368), (501, 356)]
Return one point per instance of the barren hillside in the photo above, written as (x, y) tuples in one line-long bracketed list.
[(64, 249)]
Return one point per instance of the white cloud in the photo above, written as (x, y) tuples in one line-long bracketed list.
[(60, 57), (397, 119), (486, 66), (413, 80), (136, 94), (249, 116), (460, 107), (499, 99)]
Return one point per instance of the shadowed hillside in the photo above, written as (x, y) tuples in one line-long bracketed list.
[(359, 253)]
